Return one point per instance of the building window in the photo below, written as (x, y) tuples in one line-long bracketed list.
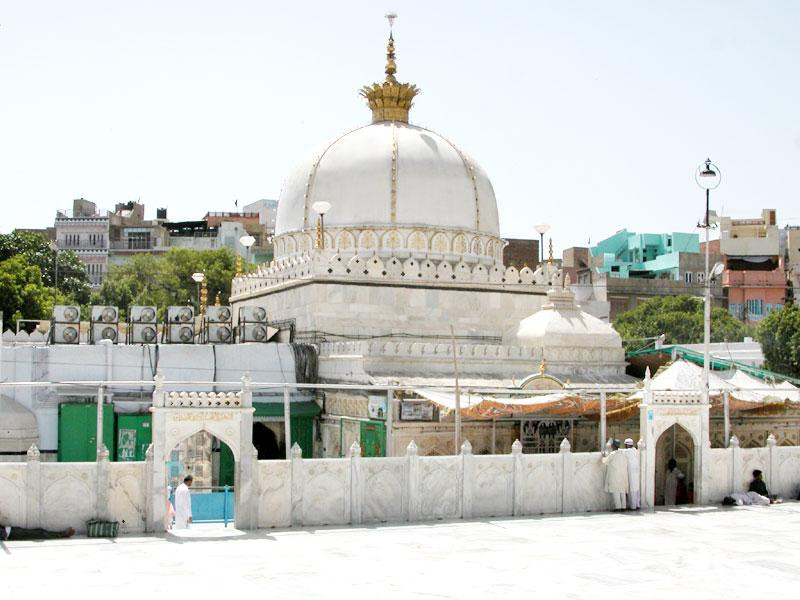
[(687, 277), (755, 308), (701, 277)]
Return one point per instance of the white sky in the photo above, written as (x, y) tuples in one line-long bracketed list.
[(590, 116)]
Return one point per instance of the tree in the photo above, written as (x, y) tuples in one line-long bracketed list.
[(24, 295), (167, 280), (72, 279), (679, 319), (779, 335)]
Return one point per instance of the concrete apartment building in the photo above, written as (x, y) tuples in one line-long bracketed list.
[(102, 238), (755, 276), (85, 231), (636, 267)]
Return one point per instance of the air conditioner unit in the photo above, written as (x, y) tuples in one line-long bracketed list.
[(180, 314), (180, 334), (66, 314), (104, 331), (219, 333), (256, 332), (105, 314), (66, 333), (218, 314), (143, 333), (252, 314), (142, 314)]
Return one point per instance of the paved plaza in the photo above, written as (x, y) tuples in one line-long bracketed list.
[(703, 552)]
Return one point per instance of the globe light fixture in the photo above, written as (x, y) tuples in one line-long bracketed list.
[(247, 241), (541, 229)]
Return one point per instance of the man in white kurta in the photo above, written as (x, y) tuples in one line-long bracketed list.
[(616, 482), (183, 504), (634, 495)]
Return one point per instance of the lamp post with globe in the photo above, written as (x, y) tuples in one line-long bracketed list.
[(247, 241), (541, 230), (708, 177), (321, 207)]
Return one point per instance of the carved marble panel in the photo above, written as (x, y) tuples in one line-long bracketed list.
[(12, 493), (326, 488), (785, 480), (68, 495), (384, 489), (588, 478), (275, 497), (718, 483), (541, 486), (493, 486), (438, 487), (126, 497)]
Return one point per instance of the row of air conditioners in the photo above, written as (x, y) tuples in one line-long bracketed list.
[(178, 327)]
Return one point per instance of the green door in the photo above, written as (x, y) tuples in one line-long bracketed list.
[(226, 464), (373, 438), (302, 431), (134, 435), (77, 432)]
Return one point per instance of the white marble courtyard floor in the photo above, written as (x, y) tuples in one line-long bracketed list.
[(746, 552)]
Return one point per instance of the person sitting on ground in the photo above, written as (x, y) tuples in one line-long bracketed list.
[(674, 474), (13, 534), (758, 484)]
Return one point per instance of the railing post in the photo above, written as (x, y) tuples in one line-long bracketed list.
[(412, 479), (566, 476), (467, 479), (518, 472), (225, 505), (297, 485), (287, 424), (102, 490), (33, 488), (356, 485), (737, 483)]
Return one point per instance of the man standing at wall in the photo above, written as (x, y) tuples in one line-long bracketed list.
[(183, 504), (634, 496), (616, 482)]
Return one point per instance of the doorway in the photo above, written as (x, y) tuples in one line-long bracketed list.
[(675, 443), (211, 464)]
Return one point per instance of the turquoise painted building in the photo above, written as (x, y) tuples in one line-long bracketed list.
[(644, 255)]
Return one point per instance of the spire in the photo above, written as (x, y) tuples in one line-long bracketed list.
[(390, 100)]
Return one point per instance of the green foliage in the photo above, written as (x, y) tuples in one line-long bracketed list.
[(779, 335), (679, 318), (167, 279), (72, 279), (24, 295)]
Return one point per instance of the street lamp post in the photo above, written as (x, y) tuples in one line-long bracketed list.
[(198, 278), (247, 241), (321, 207), (541, 230), (707, 176)]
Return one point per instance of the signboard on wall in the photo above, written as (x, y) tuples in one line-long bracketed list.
[(416, 411), (376, 406)]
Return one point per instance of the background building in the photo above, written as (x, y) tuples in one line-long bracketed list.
[(85, 231), (754, 277)]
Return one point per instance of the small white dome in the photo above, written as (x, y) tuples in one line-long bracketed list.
[(560, 323), (18, 427), (389, 174)]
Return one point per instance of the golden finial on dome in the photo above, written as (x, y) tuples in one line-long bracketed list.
[(390, 100)]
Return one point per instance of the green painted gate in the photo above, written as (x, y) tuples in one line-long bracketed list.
[(301, 421), (227, 464), (77, 432), (134, 434), (373, 438)]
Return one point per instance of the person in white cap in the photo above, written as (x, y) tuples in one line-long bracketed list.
[(616, 482), (634, 495)]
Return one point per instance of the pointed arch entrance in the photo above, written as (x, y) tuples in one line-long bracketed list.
[(226, 416), (675, 443)]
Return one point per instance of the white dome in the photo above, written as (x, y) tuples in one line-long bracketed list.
[(561, 324), (19, 428), (435, 184)]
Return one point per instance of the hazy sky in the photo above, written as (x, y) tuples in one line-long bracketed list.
[(590, 116)]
